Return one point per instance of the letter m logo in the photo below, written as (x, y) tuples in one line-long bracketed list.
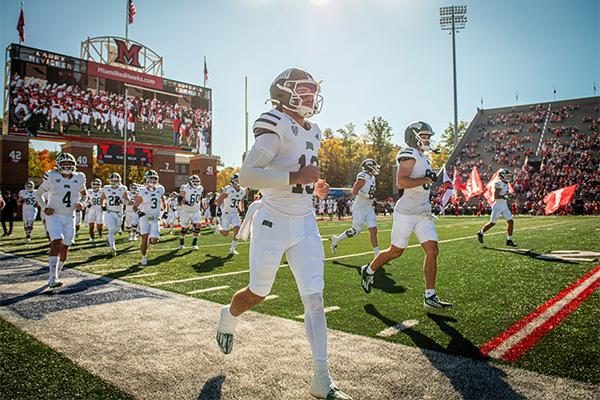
[(128, 56)]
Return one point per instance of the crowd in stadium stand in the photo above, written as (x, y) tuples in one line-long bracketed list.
[(568, 154), (38, 104)]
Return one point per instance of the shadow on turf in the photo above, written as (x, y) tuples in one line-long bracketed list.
[(383, 281), (530, 254), (473, 382), (212, 263), (212, 388)]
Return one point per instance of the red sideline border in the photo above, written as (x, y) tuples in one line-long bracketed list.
[(520, 348)]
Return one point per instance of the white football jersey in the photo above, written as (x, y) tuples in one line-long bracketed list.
[(298, 147), (94, 198), (63, 193), (115, 197), (151, 200), (231, 202), (415, 201), (504, 190), (29, 201), (192, 198), (329, 204), (366, 194), (172, 205), (129, 204)]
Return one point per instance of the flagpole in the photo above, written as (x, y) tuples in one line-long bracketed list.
[(246, 115), (204, 71), (125, 100)]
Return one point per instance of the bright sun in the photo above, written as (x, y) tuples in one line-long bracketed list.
[(319, 2)]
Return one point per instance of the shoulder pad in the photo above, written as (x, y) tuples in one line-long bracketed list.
[(266, 123), (408, 152), (362, 175)]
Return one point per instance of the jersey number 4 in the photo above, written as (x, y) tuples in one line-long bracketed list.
[(67, 200), (308, 188)]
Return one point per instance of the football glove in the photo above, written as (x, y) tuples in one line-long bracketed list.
[(141, 213), (431, 175)]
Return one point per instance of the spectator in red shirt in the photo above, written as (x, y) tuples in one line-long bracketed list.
[(176, 126)]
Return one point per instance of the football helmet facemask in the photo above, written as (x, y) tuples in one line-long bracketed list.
[(115, 179), (371, 166), (505, 175), (151, 178), (66, 163), (29, 186), (235, 180), (194, 181), (413, 133), (292, 87)]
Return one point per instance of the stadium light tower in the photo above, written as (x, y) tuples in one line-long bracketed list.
[(453, 18)]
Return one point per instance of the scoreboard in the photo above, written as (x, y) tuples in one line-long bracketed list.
[(115, 153)]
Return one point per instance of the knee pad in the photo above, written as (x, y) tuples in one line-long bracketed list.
[(350, 232), (196, 230), (183, 231), (313, 302)]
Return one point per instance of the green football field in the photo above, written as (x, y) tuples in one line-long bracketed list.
[(492, 287)]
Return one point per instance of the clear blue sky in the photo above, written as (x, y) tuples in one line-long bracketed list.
[(384, 58)]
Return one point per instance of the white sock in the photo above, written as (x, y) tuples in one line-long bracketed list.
[(376, 251), (59, 266), (315, 327), (227, 322), (341, 236), (481, 231), (52, 261), (370, 270), (320, 368), (111, 238), (509, 237), (429, 292)]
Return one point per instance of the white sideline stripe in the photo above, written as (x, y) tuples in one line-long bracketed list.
[(197, 278), (326, 310), (399, 327), (540, 319), (210, 289), (109, 271), (271, 297), (142, 275)]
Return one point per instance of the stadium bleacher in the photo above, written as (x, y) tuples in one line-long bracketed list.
[(547, 146)]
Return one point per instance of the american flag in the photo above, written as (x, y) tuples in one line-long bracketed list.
[(21, 25), (131, 11)]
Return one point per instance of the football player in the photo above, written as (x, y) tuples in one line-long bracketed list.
[(500, 207), (64, 186), (131, 217), (363, 212), (208, 218), (172, 207), (230, 201), (190, 195), (95, 211), (282, 164), (330, 202), (29, 207), (412, 212), (148, 204), (114, 196)]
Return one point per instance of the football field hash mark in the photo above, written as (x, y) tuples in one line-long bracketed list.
[(271, 297), (392, 330)]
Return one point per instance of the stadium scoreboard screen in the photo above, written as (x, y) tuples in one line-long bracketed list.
[(115, 153), (57, 95)]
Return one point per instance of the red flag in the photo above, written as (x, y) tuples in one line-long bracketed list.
[(205, 72), (131, 10), (474, 187), (490, 188), (446, 189), (561, 197), (21, 25), (457, 184)]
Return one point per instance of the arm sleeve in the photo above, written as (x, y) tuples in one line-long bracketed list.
[(253, 173)]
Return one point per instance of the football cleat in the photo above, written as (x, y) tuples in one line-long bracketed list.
[(195, 247), (435, 302), (334, 244), (113, 250), (480, 236), (233, 252), (510, 243), (366, 279), (54, 284), (326, 389), (225, 341)]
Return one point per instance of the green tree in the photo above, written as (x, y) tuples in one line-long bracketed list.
[(379, 137), (446, 143)]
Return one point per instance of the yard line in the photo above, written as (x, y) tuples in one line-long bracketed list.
[(271, 297), (399, 327), (326, 310), (511, 344), (210, 289), (142, 275), (197, 278), (109, 271)]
